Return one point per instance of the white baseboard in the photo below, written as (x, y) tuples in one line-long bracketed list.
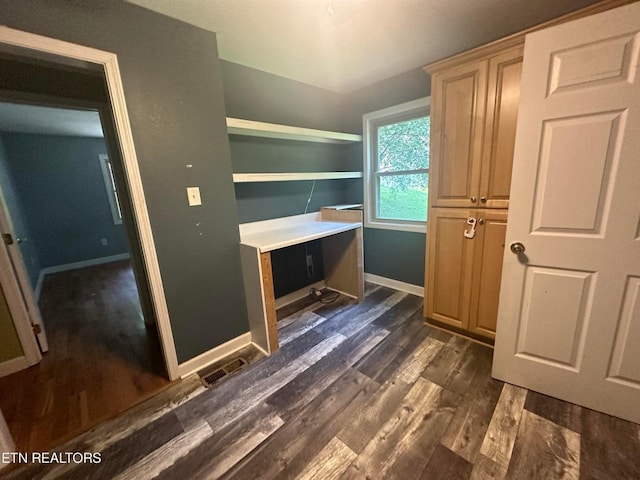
[(211, 356), (12, 366), (73, 266), (396, 284), (298, 294)]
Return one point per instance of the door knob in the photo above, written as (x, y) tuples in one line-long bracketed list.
[(517, 248)]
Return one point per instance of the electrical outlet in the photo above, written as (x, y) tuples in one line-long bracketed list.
[(104, 242)]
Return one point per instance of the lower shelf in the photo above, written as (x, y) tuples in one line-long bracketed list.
[(287, 177)]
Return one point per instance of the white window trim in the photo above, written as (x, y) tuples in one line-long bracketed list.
[(418, 107), (109, 185)]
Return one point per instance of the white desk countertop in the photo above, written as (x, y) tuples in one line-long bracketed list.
[(283, 232)]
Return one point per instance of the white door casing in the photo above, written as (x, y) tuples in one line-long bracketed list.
[(569, 315)]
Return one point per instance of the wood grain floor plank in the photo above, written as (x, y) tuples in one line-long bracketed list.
[(301, 325), (283, 363), (381, 363), (287, 453), (222, 414), (565, 414), (446, 465), (609, 447), (352, 313), (416, 363), (544, 449), (486, 469), (121, 455), (164, 457), (456, 365), (221, 451), (397, 434), (469, 425), (361, 428), (330, 463), (503, 428), (399, 313), (296, 394), (368, 316)]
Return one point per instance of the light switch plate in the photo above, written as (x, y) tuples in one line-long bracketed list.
[(193, 194)]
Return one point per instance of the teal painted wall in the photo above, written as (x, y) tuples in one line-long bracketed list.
[(59, 182)]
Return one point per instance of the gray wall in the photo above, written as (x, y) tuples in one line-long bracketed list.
[(388, 253), (21, 229), (172, 84), (59, 182)]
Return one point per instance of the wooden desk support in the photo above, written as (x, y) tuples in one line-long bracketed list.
[(340, 231)]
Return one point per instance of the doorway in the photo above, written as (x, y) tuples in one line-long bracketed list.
[(60, 192), (118, 134)]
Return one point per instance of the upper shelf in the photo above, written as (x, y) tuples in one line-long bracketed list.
[(239, 126)]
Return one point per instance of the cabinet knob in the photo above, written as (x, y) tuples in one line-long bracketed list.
[(473, 199), (483, 199), (481, 221)]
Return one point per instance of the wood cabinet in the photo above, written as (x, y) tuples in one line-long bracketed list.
[(464, 273), (473, 127)]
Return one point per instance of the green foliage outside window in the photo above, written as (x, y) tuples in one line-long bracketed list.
[(402, 169)]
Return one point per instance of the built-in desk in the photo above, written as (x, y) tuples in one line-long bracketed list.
[(340, 229)]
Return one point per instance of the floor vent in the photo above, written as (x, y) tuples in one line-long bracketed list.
[(210, 378)]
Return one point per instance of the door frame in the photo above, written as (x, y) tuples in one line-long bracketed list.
[(109, 63)]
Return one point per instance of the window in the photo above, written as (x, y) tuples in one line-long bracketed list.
[(396, 166), (110, 185)]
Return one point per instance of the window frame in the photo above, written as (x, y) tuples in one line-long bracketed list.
[(110, 186), (370, 123)]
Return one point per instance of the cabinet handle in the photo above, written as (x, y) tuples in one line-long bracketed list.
[(483, 199), (473, 199)]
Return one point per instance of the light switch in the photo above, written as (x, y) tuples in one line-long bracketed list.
[(193, 194)]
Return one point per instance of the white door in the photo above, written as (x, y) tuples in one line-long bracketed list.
[(569, 315), (17, 279)]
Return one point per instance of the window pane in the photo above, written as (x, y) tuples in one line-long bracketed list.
[(403, 197), (404, 145)]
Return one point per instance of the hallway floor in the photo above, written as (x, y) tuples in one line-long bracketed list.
[(102, 359)]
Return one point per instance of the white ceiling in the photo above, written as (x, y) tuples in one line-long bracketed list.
[(20, 118), (342, 45)]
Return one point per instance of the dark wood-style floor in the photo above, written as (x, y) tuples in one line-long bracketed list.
[(358, 391), (102, 359)]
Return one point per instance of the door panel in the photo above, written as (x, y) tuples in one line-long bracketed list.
[(503, 97), (457, 128), (487, 271), (570, 197), (449, 264), (549, 294), (625, 361), (568, 314)]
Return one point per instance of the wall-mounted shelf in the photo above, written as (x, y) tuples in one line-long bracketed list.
[(287, 177), (238, 126)]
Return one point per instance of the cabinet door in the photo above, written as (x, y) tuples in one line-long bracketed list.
[(449, 264), (487, 271), (503, 95), (458, 108)]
